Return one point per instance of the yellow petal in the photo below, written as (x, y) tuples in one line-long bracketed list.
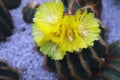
[(52, 50)]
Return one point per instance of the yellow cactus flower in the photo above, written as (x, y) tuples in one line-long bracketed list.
[(49, 15), (57, 34), (70, 40), (79, 31), (47, 47), (88, 27)]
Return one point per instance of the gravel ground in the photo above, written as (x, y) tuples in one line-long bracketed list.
[(19, 51), (111, 18)]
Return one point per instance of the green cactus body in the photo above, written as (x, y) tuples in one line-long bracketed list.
[(94, 5), (29, 12), (11, 4), (6, 23), (7, 72)]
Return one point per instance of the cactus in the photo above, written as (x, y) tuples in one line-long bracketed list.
[(29, 11), (92, 63), (81, 66), (7, 72), (6, 23), (100, 62), (11, 4), (95, 5)]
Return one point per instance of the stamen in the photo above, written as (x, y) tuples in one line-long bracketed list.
[(51, 19), (70, 34), (85, 33), (70, 38)]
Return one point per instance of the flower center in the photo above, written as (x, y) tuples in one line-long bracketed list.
[(85, 33), (82, 31), (70, 34), (51, 19)]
